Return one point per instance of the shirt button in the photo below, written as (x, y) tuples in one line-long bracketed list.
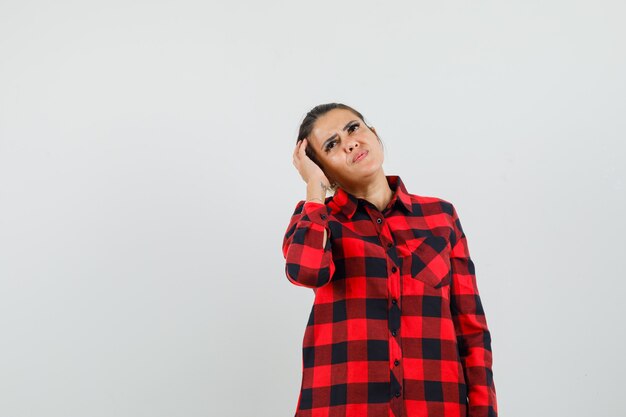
[(394, 269), (394, 301), (379, 220), (397, 393), (393, 332), (396, 362), (323, 216)]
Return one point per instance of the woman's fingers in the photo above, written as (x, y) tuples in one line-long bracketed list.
[(297, 148), (295, 152), (298, 152)]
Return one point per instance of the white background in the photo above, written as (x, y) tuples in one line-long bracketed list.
[(146, 182)]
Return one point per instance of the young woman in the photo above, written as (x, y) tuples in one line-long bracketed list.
[(397, 327)]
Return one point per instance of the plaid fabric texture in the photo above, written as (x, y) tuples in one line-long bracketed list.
[(397, 327)]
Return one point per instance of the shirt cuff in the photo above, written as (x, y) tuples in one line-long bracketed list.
[(316, 212)]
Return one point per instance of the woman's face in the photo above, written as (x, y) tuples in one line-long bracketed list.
[(337, 138)]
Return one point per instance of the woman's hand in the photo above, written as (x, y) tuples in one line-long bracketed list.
[(309, 170)]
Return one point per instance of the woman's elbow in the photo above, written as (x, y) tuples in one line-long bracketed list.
[(309, 277)]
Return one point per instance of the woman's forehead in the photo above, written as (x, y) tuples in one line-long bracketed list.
[(332, 122)]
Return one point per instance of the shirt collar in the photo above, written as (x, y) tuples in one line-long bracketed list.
[(343, 201)]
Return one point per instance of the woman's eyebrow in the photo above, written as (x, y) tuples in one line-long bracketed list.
[(335, 135)]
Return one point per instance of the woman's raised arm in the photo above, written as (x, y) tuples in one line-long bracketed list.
[(307, 247)]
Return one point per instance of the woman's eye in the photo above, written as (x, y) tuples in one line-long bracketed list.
[(350, 129)]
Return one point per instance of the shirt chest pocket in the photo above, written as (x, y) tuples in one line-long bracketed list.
[(427, 259)]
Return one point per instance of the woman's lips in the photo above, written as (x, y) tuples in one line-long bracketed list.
[(360, 157)]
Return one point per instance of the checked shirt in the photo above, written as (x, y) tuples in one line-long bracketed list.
[(397, 327)]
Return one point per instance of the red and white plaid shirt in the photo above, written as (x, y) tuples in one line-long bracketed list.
[(397, 327)]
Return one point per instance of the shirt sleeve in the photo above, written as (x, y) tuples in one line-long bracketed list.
[(307, 263), (472, 332)]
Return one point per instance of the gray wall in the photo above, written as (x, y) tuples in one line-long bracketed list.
[(146, 182)]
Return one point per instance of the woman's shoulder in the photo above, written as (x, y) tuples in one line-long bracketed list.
[(429, 199), (432, 204)]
